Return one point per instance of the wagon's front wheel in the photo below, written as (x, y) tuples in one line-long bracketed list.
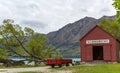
[(53, 66), (60, 65), (67, 64)]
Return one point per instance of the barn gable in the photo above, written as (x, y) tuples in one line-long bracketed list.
[(95, 31)]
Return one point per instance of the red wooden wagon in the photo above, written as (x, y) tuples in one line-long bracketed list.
[(58, 62)]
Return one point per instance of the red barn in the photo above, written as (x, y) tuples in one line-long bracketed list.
[(99, 45)]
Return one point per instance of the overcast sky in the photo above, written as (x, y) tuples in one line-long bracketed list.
[(49, 15)]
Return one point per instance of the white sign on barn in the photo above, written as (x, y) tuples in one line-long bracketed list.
[(101, 41)]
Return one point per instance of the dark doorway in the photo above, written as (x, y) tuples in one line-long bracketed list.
[(97, 52)]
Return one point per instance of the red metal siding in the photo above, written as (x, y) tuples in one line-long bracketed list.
[(107, 53), (88, 53), (118, 51), (109, 49)]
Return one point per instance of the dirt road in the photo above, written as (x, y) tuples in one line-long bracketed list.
[(34, 69)]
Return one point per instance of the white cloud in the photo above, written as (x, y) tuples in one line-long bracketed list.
[(49, 15)]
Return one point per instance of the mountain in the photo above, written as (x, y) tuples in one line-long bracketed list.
[(67, 38)]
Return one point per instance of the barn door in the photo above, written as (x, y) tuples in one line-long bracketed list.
[(89, 53), (97, 52), (107, 53)]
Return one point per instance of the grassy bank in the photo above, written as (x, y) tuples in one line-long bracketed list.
[(99, 68), (23, 66)]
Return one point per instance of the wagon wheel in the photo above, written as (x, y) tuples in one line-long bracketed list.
[(60, 65), (53, 66), (67, 64)]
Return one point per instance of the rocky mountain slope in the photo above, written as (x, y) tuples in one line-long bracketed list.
[(67, 38)]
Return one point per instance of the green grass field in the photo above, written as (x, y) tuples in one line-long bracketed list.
[(91, 68)]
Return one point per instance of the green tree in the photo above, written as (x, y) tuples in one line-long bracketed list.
[(57, 54), (38, 45), (111, 26), (25, 42), (3, 54), (116, 4)]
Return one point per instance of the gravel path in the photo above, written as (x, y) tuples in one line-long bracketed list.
[(34, 69), (16, 70)]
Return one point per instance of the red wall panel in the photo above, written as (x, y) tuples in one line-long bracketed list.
[(89, 53), (107, 54)]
